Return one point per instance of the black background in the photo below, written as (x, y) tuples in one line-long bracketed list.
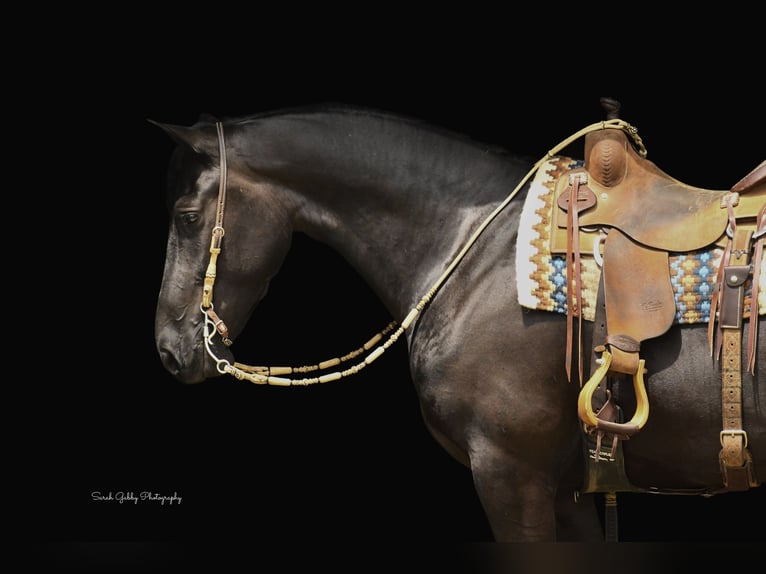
[(344, 462)]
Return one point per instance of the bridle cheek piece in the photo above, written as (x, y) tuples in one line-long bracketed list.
[(211, 317)]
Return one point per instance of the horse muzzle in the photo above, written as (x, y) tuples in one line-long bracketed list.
[(187, 359)]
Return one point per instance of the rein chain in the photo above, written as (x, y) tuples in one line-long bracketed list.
[(270, 375)]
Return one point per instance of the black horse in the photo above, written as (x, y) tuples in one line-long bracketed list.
[(428, 219)]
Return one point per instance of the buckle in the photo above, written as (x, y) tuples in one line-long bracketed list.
[(732, 433)]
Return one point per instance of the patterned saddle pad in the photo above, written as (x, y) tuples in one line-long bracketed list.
[(541, 274)]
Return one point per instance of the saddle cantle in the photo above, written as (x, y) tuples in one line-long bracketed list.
[(751, 182)]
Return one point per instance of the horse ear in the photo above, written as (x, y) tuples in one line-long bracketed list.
[(192, 137)]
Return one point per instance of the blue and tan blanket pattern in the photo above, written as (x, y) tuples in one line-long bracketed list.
[(541, 275)]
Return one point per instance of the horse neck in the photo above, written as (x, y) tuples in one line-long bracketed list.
[(397, 200)]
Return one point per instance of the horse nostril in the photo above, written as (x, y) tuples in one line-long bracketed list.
[(169, 361), (184, 368)]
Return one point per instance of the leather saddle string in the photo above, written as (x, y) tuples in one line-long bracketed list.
[(578, 279), (574, 300)]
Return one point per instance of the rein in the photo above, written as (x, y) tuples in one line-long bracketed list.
[(270, 375)]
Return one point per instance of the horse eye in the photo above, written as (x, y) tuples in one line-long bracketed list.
[(190, 217)]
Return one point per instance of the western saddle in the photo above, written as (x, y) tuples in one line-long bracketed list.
[(641, 216)]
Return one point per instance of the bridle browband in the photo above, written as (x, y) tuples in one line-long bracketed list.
[(270, 375)]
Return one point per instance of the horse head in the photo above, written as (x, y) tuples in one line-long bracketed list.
[(210, 200)]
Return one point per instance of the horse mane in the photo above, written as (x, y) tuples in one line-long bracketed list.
[(346, 109)]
